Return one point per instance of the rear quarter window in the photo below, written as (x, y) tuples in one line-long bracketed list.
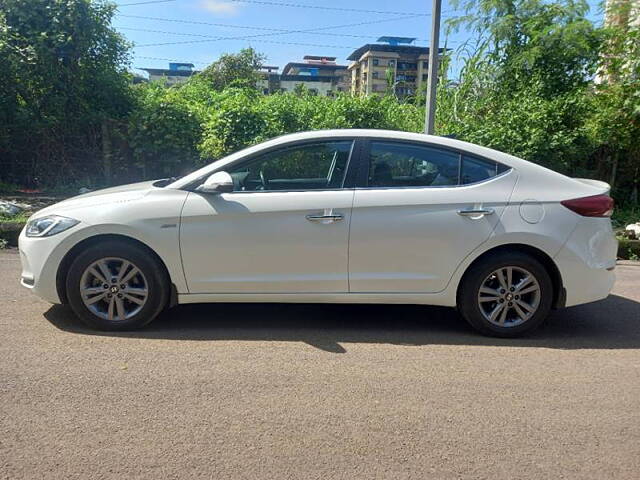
[(475, 169)]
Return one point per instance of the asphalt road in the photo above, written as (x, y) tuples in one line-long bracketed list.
[(318, 391)]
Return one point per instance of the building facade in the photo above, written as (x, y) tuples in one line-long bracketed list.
[(320, 75), (269, 79), (393, 66), (176, 73)]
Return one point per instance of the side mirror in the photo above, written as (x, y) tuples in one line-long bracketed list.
[(219, 182)]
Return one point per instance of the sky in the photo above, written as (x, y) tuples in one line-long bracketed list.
[(199, 31)]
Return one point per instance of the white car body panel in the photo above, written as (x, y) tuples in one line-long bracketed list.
[(412, 239), (395, 245), (145, 213), (261, 242), (41, 257)]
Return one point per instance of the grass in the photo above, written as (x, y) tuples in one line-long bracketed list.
[(19, 218)]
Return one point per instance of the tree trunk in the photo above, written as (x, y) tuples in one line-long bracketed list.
[(614, 171), (107, 153), (634, 192)]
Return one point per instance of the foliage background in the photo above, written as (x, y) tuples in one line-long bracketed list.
[(70, 115)]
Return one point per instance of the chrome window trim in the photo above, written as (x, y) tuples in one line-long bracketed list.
[(290, 191)]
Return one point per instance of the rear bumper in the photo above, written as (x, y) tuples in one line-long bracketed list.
[(587, 261)]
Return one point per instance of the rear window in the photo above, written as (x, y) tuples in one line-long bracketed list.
[(399, 164), (476, 169), (403, 165)]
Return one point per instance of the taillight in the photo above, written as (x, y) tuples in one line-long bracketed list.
[(594, 206)]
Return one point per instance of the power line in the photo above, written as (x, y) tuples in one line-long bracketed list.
[(164, 32), (249, 38), (322, 7), (249, 28), (260, 35), (171, 60), (143, 3), (196, 22), (295, 5), (235, 26)]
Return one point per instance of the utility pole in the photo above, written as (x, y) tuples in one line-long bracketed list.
[(430, 112)]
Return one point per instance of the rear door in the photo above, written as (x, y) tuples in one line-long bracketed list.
[(419, 210)]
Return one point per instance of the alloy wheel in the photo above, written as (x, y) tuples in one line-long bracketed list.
[(114, 289), (509, 296)]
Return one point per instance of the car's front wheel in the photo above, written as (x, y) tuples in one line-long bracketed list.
[(116, 285), (506, 294)]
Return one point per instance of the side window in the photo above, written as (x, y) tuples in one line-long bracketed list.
[(475, 170), (312, 166), (405, 165)]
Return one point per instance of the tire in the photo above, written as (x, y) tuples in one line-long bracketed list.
[(103, 304), (485, 310)]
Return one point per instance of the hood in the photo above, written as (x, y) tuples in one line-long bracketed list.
[(119, 194)]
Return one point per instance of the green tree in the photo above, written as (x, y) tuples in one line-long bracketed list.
[(163, 131), (615, 120), (64, 74), (550, 42), (234, 70), (390, 78), (525, 87)]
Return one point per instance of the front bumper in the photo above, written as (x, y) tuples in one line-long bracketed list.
[(41, 258)]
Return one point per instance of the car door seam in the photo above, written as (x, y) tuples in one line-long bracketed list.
[(353, 196), (184, 273)]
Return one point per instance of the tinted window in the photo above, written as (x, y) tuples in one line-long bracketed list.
[(476, 170), (404, 165), (306, 167)]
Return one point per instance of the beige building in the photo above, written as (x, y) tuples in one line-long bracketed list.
[(391, 66)]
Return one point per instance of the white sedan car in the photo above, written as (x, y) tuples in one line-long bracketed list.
[(352, 216)]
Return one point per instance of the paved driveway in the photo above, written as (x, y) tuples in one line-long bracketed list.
[(294, 391)]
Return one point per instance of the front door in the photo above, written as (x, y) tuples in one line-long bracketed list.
[(419, 213), (284, 228)]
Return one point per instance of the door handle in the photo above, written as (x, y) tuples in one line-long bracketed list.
[(475, 212), (324, 218)]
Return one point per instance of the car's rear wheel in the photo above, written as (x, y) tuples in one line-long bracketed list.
[(506, 295), (116, 286)]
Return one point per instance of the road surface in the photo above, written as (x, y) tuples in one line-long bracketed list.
[(318, 391)]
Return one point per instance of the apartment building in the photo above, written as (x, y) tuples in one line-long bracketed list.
[(392, 65), (176, 73), (321, 75), (269, 81)]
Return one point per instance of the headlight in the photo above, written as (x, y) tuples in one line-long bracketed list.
[(49, 225)]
